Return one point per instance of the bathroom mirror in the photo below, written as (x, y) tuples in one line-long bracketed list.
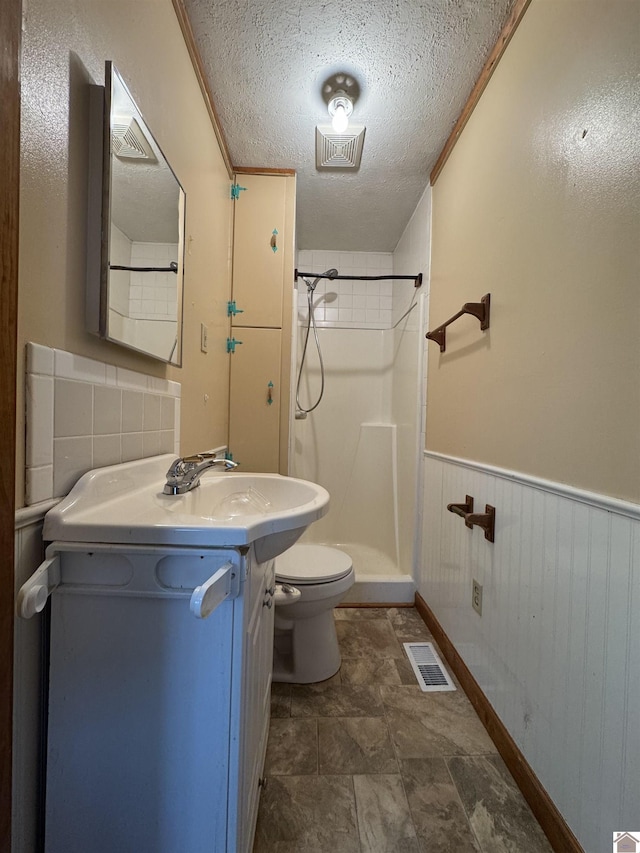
[(135, 268)]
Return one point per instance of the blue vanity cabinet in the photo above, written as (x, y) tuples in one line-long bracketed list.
[(157, 719)]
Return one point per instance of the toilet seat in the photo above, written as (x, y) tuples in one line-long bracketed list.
[(312, 564)]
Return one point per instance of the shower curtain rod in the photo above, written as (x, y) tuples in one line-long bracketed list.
[(173, 267), (417, 279)]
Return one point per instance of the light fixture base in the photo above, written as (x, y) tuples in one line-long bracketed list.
[(341, 83)]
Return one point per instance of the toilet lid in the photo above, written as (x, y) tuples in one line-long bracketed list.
[(312, 564)]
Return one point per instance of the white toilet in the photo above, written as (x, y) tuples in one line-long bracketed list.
[(310, 581)]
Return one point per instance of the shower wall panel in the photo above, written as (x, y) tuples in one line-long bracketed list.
[(338, 447), (349, 304), (363, 441)]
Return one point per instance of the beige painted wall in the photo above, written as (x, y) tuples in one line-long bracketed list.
[(539, 205), (65, 45)]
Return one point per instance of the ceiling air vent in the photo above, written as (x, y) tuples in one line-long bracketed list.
[(128, 140), (339, 150)]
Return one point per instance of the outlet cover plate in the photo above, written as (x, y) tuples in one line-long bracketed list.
[(476, 597)]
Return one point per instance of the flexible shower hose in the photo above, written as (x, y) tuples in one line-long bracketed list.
[(311, 321)]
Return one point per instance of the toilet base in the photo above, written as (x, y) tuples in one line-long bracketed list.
[(305, 650)]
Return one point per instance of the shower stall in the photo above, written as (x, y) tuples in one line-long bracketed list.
[(362, 439)]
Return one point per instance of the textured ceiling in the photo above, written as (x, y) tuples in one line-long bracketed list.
[(416, 63)]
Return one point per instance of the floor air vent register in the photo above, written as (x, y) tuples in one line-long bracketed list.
[(429, 669)]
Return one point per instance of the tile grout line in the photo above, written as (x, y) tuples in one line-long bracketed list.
[(387, 711), (355, 808), (464, 810), (395, 752)]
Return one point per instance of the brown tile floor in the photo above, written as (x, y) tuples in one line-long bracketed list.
[(367, 762)]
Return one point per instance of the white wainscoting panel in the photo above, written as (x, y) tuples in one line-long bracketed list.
[(557, 648)]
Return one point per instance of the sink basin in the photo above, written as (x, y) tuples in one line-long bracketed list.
[(125, 504)]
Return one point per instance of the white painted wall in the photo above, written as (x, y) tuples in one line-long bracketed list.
[(556, 650), (545, 218)]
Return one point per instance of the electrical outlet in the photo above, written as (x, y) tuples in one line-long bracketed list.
[(476, 597), (204, 338)]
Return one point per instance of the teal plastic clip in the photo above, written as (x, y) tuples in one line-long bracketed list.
[(232, 343), (232, 310)]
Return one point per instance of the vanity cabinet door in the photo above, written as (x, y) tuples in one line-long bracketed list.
[(256, 689), (254, 423), (258, 250)]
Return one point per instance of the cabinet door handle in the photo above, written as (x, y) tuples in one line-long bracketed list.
[(34, 592), (274, 244), (206, 597), (269, 393)]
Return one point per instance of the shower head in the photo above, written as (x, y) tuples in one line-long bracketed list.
[(331, 274)]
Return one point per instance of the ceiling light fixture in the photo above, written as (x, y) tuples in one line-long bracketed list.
[(340, 108), (338, 145)]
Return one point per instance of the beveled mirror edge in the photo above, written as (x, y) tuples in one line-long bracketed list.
[(95, 194)]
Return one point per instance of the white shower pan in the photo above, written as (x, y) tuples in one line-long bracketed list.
[(364, 519), (378, 580)]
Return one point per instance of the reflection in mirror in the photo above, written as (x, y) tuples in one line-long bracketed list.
[(142, 233)]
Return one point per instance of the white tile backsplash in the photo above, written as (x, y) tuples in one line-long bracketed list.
[(40, 360), (73, 408), (39, 484), (131, 446), (107, 410), (84, 414), (132, 411), (67, 365), (167, 413), (151, 413), (151, 443), (130, 379), (72, 457), (106, 450), (39, 449)]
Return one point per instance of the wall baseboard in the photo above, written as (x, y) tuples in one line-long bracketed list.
[(382, 604), (553, 824)]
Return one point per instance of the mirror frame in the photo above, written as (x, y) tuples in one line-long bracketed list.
[(99, 218)]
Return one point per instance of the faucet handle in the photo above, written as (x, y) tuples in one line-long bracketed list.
[(200, 457)]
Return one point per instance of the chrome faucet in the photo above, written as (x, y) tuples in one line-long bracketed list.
[(185, 473)]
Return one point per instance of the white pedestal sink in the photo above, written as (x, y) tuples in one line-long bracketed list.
[(158, 721), (124, 504)]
